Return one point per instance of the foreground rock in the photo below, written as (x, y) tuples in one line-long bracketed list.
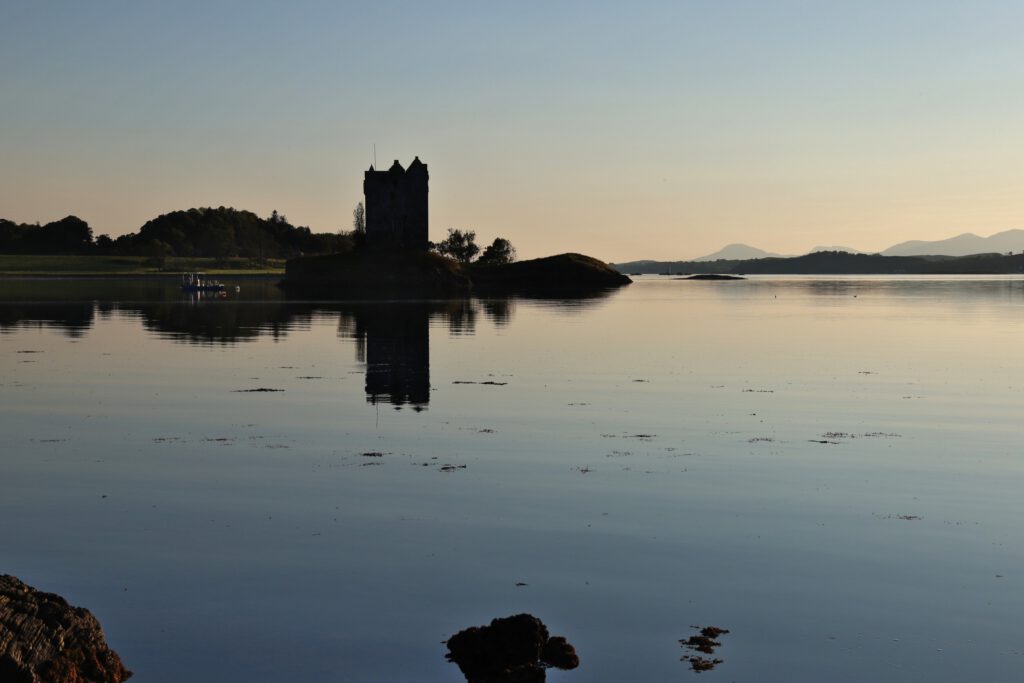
[(43, 639), (514, 649)]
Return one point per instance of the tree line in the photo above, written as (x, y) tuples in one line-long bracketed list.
[(462, 247), (70, 235), (207, 232)]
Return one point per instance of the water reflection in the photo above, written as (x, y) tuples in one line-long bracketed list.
[(955, 290), (219, 322), (391, 338), (73, 319), (499, 310), (393, 341)]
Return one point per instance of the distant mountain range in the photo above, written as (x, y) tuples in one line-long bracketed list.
[(966, 244), (961, 245)]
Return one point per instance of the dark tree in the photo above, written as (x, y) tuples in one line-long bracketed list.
[(104, 244), (70, 235), (499, 251), (359, 220), (461, 246), (11, 235)]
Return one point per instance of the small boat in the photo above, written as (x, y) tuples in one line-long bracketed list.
[(197, 282)]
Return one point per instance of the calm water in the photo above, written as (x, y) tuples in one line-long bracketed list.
[(832, 469)]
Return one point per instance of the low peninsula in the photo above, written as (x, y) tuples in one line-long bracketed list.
[(412, 272)]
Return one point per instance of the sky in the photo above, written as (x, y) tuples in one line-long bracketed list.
[(660, 130)]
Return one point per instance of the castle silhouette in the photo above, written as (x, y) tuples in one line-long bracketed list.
[(396, 206)]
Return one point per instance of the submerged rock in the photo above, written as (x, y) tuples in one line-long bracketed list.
[(703, 642), (43, 639), (514, 649), (712, 276)]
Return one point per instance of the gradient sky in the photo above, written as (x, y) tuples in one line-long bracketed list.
[(649, 130)]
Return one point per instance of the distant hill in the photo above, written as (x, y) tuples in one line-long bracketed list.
[(736, 252), (961, 245)]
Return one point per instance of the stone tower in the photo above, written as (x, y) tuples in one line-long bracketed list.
[(396, 206)]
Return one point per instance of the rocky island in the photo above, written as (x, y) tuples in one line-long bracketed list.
[(412, 272), (392, 254), (711, 276)]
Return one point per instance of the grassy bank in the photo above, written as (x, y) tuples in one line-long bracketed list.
[(56, 265)]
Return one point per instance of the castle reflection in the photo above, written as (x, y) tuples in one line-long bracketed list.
[(393, 341)]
